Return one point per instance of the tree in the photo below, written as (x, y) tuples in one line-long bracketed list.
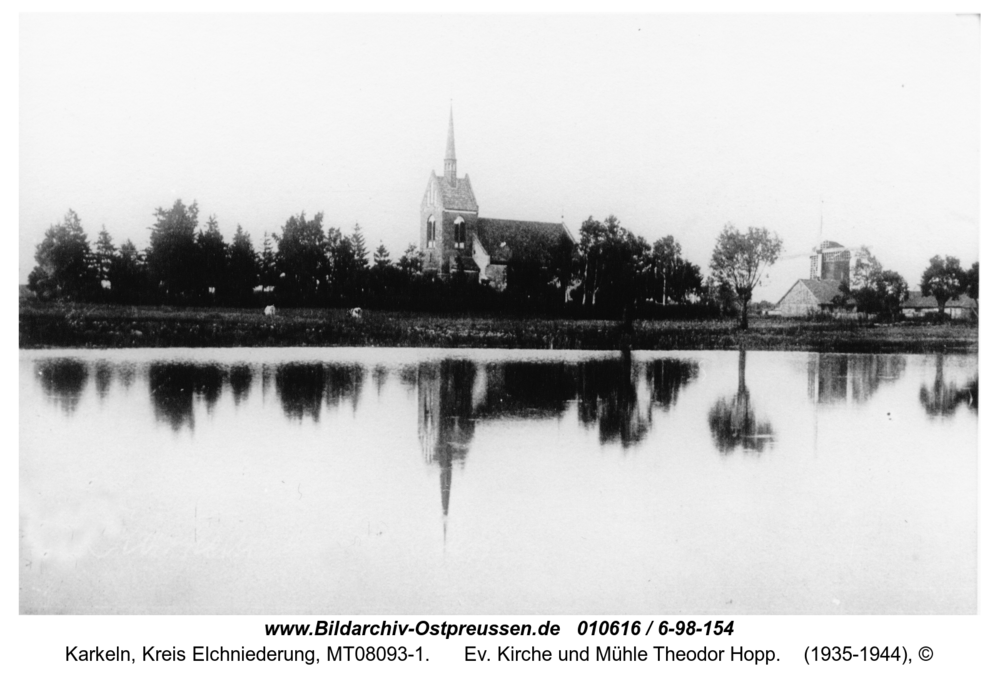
[(267, 266), (243, 273), (593, 235), (612, 260), (360, 249), (972, 284), (212, 253), (875, 290), (302, 260), (63, 262), (740, 259), (944, 280), (345, 266), (128, 275), (105, 255), (675, 278), (409, 262), (173, 252), (382, 259)]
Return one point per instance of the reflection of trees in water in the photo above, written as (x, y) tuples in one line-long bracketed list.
[(380, 375), (126, 374), (734, 423), (103, 374), (829, 375), (63, 380), (666, 378), (300, 389), (343, 382), (409, 376), (174, 386), (526, 390), (608, 397), (304, 388), (944, 396), (240, 379)]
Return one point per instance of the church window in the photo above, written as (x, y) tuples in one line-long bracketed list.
[(460, 233), (431, 232)]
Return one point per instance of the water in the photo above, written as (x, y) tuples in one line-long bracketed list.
[(350, 481)]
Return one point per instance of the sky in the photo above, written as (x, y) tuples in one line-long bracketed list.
[(676, 124)]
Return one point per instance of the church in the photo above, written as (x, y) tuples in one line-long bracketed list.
[(454, 239)]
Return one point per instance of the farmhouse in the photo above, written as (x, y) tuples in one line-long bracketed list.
[(455, 239), (808, 296), (919, 305)]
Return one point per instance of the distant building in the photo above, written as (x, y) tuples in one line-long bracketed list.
[(455, 239), (809, 296), (918, 305), (829, 265), (831, 262)]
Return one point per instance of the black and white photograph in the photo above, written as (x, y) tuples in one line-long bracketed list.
[(499, 314)]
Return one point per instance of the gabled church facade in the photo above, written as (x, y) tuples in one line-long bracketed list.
[(454, 239)]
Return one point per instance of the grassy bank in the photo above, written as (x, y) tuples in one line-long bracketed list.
[(42, 326)]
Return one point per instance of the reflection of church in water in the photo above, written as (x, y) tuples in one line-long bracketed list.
[(614, 396)]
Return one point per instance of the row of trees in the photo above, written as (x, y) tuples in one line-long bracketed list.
[(304, 264), (610, 272)]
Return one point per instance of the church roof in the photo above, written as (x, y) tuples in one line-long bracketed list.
[(457, 197), (502, 238)]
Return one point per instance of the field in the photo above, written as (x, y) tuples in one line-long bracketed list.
[(79, 325)]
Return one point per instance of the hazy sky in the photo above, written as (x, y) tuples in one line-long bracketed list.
[(675, 124)]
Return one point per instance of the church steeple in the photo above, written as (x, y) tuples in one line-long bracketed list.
[(450, 162)]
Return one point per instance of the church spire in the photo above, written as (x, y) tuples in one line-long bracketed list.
[(450, 162)]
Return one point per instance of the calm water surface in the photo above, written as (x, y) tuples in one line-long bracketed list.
[(336, 481)]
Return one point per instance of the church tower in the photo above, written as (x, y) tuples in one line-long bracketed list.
[(450, 161), (448, 214)]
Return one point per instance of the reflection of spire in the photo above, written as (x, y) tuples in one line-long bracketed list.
[(445, 496), (445, 422)]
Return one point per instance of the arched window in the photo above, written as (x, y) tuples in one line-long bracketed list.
[(431, 232), (459, 233)]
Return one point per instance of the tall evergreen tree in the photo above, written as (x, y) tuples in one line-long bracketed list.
[(105, 255), (382, 259), (242, 267), (360, 249), (212, 253), (173, 252), (128, 275), (64, 262), (268, 263)]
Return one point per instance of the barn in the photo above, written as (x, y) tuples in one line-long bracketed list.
[(809, 296), (925, 305)]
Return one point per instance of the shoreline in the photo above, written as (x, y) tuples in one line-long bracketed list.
[(109, 327)]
